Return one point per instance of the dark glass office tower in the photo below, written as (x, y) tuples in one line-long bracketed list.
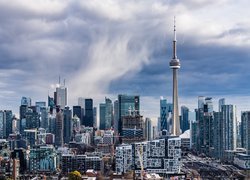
[(89, 115), (67, 113), (79, 112)]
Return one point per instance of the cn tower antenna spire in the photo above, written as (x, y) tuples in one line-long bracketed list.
[(174, 41), (174, 29)]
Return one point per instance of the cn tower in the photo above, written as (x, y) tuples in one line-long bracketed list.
[(175, 65)]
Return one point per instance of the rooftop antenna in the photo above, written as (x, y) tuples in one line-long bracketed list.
[(64, 82), (59, 80)]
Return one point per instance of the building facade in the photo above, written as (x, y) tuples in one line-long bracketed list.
[(126, 105), (162, 156)]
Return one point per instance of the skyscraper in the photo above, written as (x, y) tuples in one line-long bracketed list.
[(218, 133), (59, 127), (9, 119), (116, 115), (32, 119), (221, 102), (2, 125), (242, 160), (126, 105), (22, 111), (89, 115), (163, 114), (245, 117), (148, 129), (184, 119), (61, 96), (209, 103), (175, 65), (94, 117), (201, 102), (79, 112), (67, 124), (108, 113), (102, 109), (205, 124), (229, 127), (26, 101), (44, 113)]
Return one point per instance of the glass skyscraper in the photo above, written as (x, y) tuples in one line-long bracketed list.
[(184, 122), (229, 127), (89, 115), (163, 114), (102, 109), (79, 112)]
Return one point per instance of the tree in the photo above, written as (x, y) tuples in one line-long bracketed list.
[(75, 175)]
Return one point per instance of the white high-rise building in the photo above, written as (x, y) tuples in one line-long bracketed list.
[(61, 96)]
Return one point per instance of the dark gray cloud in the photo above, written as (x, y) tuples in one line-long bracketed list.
[(108, 47)]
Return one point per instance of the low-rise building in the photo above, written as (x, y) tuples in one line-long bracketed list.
[(42, 159), (81, 163)]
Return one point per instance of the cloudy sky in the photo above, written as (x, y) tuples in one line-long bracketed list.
[(103, 48)]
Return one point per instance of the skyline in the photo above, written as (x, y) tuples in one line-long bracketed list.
[(116, 47)]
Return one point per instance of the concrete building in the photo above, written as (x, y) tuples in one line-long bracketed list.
[(162, 156), (82, 163), (108, 137), (83, 138), (124, 159)]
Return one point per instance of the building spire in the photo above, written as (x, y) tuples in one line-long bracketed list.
[(174, 42)]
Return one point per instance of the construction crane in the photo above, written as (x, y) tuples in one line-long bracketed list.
[(140, 152)]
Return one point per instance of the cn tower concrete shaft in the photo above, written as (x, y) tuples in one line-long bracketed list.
[(175, 117)]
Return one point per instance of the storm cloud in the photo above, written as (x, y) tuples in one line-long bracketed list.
[(115, 46)]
